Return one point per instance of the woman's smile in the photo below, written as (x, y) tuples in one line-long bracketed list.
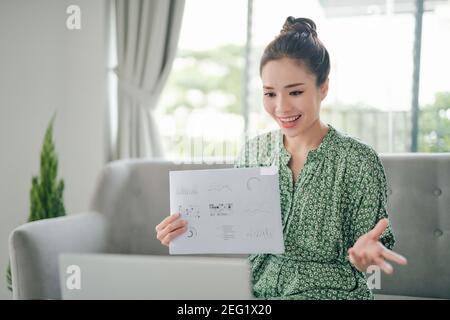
[(289, 122)]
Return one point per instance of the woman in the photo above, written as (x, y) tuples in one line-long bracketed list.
[(332, 186)]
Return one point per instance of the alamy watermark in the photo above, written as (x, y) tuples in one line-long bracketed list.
[(73, 21), (207, 150), (73, 280), (373, 274)]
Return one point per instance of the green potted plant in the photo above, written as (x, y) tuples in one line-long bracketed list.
[(46, 195)]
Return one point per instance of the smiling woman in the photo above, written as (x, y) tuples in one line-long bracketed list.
[(332, 186)]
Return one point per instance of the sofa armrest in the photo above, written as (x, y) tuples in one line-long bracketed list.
[(35, 246)]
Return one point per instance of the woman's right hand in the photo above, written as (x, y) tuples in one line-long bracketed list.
[(170, 228)]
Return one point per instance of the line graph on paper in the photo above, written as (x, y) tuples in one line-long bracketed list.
[(218, 187)]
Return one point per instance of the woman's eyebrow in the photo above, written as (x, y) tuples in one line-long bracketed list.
[(294, 85), (288, 86)]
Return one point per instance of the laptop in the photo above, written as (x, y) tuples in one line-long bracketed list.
[(138, 277)]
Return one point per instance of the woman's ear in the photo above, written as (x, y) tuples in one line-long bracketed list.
[(324, 89)]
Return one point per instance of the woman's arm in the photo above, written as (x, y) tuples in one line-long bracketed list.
[(372, 236)]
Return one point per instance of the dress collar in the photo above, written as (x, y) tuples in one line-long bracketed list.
[(318, 153)]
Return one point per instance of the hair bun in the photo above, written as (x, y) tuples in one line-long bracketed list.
[(299, 25)]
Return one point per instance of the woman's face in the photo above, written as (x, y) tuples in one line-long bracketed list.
[(291, 96)]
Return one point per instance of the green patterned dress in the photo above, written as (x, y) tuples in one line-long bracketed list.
[(340, 194)]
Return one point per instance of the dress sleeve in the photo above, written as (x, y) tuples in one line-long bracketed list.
[(370, 201)]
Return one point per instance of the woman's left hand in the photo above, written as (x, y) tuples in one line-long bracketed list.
[(368, 250)]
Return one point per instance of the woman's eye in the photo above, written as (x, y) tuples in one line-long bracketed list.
[(296, 93), (269, 94)]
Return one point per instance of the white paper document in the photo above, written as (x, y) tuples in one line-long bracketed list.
[(234, 210)]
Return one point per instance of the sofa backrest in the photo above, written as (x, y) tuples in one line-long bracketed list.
[(419, 210), (135, 196)]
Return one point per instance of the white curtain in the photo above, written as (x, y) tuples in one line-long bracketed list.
[(147, 38)]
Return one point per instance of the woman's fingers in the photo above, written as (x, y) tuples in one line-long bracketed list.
[(379, 228), (173, 235), (363, 262), (374, 253), (171, 227), (351, 257), (355, 258), (166, 221), (386, 267), (393, 256)]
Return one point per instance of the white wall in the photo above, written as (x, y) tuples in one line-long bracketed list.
[(46, 67)]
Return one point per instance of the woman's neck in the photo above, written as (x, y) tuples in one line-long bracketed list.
[(307, 140)]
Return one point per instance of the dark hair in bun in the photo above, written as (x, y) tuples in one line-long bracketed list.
[(298, 40)]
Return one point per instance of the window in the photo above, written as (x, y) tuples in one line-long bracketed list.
[(200, 113), (203, 107)]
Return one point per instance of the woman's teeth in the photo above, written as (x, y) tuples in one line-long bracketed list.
[(290, 119)]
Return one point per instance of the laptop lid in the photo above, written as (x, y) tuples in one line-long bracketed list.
[(114, 276)]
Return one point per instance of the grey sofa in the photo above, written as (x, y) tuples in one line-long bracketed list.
[(131, 197)]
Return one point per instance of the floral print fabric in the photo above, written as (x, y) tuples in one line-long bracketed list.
[(339, 195)]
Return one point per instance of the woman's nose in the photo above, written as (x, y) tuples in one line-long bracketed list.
[(283, 106)]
